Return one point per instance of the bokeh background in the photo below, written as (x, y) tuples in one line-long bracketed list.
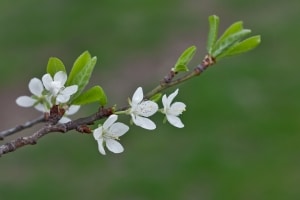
[(241, 138)]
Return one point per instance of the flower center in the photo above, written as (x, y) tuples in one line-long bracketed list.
[(56, 87)]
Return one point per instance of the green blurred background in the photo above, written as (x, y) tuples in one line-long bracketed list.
[(241, 137)]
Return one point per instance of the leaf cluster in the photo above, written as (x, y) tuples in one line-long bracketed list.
[(80, 75)]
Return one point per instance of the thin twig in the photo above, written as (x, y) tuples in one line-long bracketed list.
[(48, 128), (21, 127)]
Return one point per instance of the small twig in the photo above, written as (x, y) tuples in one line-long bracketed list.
[(21, 127), (49, 128), (169, 82)]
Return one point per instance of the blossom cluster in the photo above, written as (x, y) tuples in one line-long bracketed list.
[(48, 92), (140, 109)]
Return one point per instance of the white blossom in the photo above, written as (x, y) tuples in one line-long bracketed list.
[(71, 110), (141, 109), (38, 100), (173, 111), (109, 133), (56, 86)]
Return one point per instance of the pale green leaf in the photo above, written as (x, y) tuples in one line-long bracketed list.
[(94, 94), (156, 97), (184, 59), (213, 32), (229, 41), (55, 65), (243, 46), (81, 72)]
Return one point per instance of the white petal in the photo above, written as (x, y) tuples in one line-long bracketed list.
[(64, 120), (70, 90), (147, 108), (137, 96), (177, 108), (144, 122), (118, 129), (62, 98), (36, 86), (172, 96), (47, 80), (114, 146), (72, 110), (25, 101), (110, 120), (100, 146), (97, 133), (61, 77), (175, 121), (40, 107), (165, 102)]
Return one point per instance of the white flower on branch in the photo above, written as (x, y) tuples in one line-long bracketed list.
[(109, 133), (71, 110), (56, 86), (173, 111), (141, 109), (38, 100)]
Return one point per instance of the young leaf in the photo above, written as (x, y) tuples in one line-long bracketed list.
[(212, 33), (181, 68), (55, 65), (242, 47), (184, 59), (78, 65), (94, 94), (232, 29), (229, 41), (81, 72), (156, 97)]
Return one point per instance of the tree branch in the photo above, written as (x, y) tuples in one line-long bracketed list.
[(49, 128), (21, 127)]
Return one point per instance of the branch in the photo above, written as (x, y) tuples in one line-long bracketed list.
[(21, 127), (78, 125)]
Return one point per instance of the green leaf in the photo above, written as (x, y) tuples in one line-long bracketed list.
[(184, 59), (181, 68), (156, 97), (213, 32), (229, 41), (243, 46), (81, 71), (55, 65), (94, 94), (232, 29)]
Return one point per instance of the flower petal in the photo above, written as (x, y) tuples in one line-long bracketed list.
[(138, 96), (25, 101), (172, 96), (177, 108), (70, 90), (47, 80), (114, 146), (97, 133), (64, 120), (165, 102), (118, 129), (110, 120), (147, 108), (40, 107), (62, 98), (61, 77), (72, 109), (36, 86), (175, 121), (144, 122), (100, 146)]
